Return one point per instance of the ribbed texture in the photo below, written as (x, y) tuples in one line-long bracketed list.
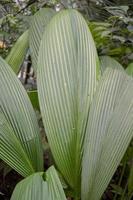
[(18, 52), (108, 62), (66, 82), (35, 188), (38, 25), (129, 69), (109, 132), (16, 108), (11, 150)]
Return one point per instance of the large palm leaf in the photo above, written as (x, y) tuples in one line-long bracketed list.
[(67, 75), (109, 132), (19, 129)]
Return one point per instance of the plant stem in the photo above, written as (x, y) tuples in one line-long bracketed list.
[(120, 180), (123, 194)]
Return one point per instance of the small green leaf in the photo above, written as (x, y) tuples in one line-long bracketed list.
[(116, 189)]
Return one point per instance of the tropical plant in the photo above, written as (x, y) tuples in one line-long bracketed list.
[(86, 110)]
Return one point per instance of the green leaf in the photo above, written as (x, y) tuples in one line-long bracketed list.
[(35, 188), (67, 75), (129, 69), (33, 95), (18, 52), (116, 189), (107, 61), (1, 20), (11, 149), (38, 25), (20, 145), (119, 11), (109, 132)]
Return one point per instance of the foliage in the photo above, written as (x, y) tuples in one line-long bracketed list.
[(11, 28), (89, 128), (114, 38)]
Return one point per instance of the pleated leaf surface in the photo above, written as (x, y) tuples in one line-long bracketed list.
[(109, 132), (38, 25), (18, 52), (67, 73), (19, 114), (11, 150), (35, 188)]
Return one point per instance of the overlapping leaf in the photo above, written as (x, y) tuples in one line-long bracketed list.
[(129, 69), (20, 144), (109, 132), (35, 188), (67, 74), (38, 25), (18, 52), (11, 150), (107, 61)]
